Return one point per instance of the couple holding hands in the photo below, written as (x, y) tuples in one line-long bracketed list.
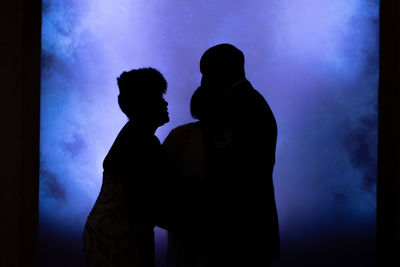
[(209, 184)]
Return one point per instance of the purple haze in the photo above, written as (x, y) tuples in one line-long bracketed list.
[(315, 61)]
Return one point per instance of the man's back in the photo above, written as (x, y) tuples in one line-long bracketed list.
[(242, 222)]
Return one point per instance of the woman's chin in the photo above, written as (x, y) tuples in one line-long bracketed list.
[(163, 121)]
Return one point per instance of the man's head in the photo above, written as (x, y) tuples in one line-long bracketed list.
[(141, 96), (222, 65)]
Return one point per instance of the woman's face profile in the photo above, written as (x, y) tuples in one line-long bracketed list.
[(163, 115), (154, 110)]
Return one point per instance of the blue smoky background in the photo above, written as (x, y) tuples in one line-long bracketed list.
[(315, 62)]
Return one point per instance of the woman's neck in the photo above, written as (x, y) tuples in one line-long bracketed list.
[(143, 126)]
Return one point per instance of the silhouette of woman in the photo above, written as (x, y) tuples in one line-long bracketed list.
[(119, 230)]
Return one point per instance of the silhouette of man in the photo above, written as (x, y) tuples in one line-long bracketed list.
[(120, 228), (239, 223)]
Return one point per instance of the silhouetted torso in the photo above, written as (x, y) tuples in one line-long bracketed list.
[(120, 228), (136, 157), (241, 203), (235, 219)]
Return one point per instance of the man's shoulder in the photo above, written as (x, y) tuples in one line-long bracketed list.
[(253, 104), (249, 96)]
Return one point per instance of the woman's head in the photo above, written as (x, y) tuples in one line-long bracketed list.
[(141, 96)]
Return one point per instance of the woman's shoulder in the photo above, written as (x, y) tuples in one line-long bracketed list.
[(131, 145)]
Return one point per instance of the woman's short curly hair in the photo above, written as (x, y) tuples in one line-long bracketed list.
[(144, 81), (138, 86)]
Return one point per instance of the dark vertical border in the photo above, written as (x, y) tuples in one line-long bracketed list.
[(388, 193), (31, 50), (20, 45)]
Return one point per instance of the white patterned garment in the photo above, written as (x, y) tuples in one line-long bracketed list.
[(184, 147), (111, 237)]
